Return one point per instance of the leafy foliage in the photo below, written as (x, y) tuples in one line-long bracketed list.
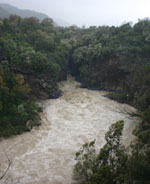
[(106, 167), (32, 61), (112, 165)]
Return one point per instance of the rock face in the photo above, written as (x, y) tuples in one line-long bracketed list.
[(31, 123), (42, 87)]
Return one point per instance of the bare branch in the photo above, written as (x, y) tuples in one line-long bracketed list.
[(128, 113), (7, 169)]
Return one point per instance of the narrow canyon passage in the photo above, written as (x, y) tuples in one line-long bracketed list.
[(46, 154)]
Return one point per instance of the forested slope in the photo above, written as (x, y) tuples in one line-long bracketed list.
[(32, 61)]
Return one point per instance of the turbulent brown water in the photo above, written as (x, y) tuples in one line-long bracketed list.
[(46, 154)]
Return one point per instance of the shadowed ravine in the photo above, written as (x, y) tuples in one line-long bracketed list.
[(46, 154)]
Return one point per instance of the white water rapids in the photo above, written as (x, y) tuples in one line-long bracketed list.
[(46, 154)]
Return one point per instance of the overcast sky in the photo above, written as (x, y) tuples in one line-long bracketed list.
[(88, 12)]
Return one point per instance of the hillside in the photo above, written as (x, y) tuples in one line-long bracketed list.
[(3, 13), (6, 10)]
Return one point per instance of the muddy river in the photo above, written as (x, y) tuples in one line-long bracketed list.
[(46, 154)]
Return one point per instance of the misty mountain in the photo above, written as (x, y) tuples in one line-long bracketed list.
[(3, 13), (61, 22), (6, 10)]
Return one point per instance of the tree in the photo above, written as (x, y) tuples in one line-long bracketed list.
[(109, 166), (111, 161), (85, 158)]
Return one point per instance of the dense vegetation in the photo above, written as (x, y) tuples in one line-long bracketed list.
[(32, 61), (113, 164), (35, 55), (116, 59)]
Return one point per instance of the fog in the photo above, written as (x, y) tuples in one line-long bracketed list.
[(88, 12)]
